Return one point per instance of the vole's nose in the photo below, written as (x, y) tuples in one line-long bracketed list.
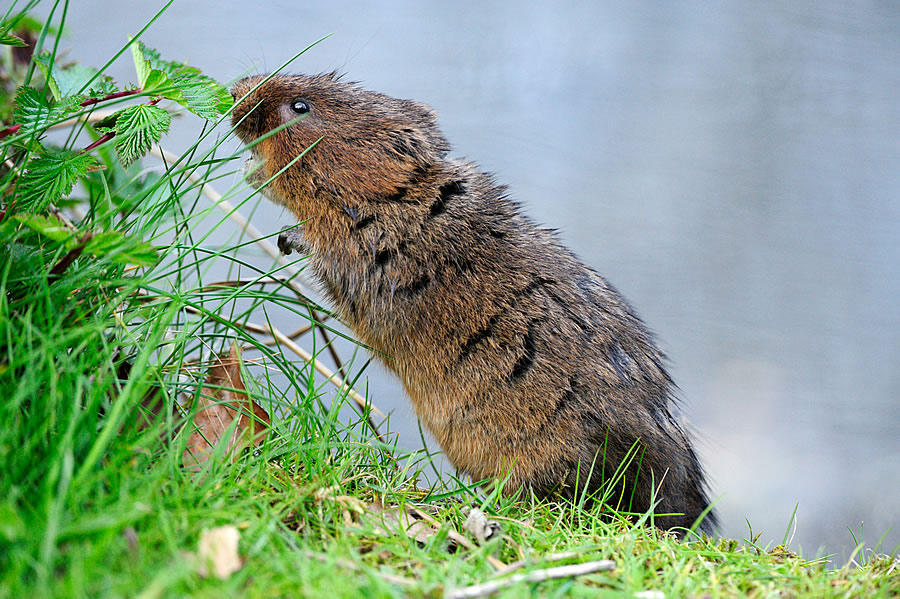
[(241, 87)]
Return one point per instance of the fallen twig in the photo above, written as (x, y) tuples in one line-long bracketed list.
[(550, 557), (489, 588)]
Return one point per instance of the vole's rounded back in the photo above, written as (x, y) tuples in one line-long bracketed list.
[(515, 355)]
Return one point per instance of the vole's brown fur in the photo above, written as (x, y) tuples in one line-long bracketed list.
[(514, 354)]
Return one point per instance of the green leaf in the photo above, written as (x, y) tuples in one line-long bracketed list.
[(73, 78), (112, 245), (63, 82), (35, 114), (184, 84), (137, 129), (50, 177), (45, 225), (26, 268), (141, 64), (204, 96), (160, 84), (121, 249), (169, 67), (8, 39), (102, 86)]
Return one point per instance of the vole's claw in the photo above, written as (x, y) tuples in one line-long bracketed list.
[(289, 240), (284, 245)]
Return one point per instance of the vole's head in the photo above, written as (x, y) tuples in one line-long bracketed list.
[(366, 145)]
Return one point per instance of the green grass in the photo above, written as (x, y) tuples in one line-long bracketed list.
[(94, 502)]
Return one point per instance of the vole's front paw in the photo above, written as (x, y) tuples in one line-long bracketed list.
[(289, 240)]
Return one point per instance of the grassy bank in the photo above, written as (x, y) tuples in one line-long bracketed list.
[(125, 279)]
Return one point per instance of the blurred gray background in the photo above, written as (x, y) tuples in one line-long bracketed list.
[(732, 167)]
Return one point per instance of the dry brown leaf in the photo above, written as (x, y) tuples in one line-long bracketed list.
[(217, 552), (221, 401)]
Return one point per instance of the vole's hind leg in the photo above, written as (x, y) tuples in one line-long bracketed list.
[(290, 239)]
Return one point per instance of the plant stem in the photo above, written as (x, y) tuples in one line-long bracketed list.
[(105, 138), (113, 96), (9, 131)]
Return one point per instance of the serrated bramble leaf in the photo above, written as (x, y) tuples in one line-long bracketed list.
[(50, 177), (72, 79), (160, 84), (169, 67), (36, 114), (121, 249), (102, 86), (8, 39), (179, 82), (137, 129), (141, 64), (45, 225), (30, 108), (203, 95)]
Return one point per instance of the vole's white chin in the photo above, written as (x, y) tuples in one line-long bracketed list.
[(254, 172), (255, 175)]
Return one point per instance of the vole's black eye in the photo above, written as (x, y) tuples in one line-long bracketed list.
[(300, 106)]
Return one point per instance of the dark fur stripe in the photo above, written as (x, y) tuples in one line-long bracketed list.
[(416, 287), (461, 265), (382, 257), (536, 283), (363, 222), (586, 329), (439, 206), (478, 337), (448, 190), (454, 188), (567, 399), (526, 360), (398, 195), (488, 329)]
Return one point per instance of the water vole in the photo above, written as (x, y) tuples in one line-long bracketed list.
[(515, 355)]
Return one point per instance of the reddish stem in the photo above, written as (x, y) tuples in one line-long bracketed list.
[(101, 140), (124, 94), (69, 258), (7, 209), (9, 131), (108, 136), (89, 102)]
